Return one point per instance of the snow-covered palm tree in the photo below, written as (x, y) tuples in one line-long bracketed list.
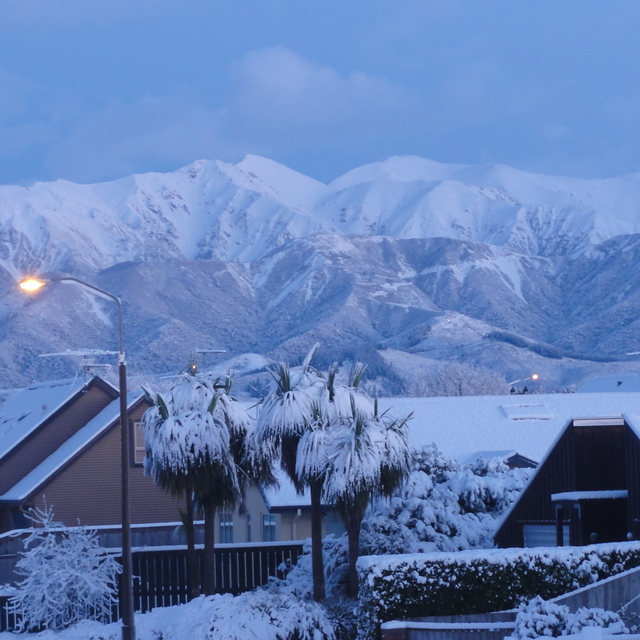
[(197, 442), (358, 456), (293, 423), (287, 413)]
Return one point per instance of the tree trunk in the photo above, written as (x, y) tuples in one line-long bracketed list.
[(353, 523), (193, 574), (208, 559), (317, 563)]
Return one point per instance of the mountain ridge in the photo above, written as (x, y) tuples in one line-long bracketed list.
[(256, 257)]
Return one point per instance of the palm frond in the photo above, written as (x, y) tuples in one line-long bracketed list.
[(306, 364), (162, 407), (356, 373), (331, 381)]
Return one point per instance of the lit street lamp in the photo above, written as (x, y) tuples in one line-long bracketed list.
[(126, 593), (533, 376)]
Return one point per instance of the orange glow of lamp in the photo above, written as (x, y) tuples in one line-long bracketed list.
[(32, 284)]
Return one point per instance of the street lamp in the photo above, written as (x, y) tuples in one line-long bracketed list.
[(126, 593), (533, 376)]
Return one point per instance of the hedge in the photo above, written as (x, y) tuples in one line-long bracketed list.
[(420, 585)]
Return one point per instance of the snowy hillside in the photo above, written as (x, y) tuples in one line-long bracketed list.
[(535, 271)]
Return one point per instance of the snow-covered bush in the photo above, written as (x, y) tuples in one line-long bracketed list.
[(443, 506), (277, 615), (299, 582), (538, 618), (596, 617), (341, 611), (66, 576), (417, 585)]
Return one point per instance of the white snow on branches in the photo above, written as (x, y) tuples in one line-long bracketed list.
[(538, 618), (443, 506), (66, 576), (185, 429)]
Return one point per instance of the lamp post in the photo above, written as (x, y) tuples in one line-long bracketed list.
[(533, 376), (126, 592)]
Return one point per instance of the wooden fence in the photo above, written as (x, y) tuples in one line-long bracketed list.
[(160, 575)]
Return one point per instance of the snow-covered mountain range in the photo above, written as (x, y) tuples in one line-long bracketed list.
[(401, 262)]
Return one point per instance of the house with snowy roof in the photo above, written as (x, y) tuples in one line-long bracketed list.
[(587, 485), (586, 489), (60, 446)]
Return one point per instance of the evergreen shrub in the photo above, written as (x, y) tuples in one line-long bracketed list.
[(419, 585)]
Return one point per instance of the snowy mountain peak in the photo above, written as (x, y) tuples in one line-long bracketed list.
[(397, 169)]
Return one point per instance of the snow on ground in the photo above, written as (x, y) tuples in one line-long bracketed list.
[(222, 617), (615, 382)]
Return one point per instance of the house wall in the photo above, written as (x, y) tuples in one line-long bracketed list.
[(50, 436), (89, 489), (586, 458), (632, 456)]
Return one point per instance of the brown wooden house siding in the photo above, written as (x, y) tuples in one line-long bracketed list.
[(89, 489), (585, 458), (52, 434)]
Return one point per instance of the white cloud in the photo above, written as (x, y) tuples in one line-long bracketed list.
[(154, 133), (279, 99), (279, 102)]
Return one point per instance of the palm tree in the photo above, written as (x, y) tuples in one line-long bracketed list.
[(175, 481), (364, 456), (290, 410), (197, 442)]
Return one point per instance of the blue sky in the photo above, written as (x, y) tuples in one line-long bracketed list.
[(93, 90)]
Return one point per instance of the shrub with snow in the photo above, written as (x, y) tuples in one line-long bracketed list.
[(443, 506), (66, 576), (298, 581), (538, 618), (479, 581), (596, 617)]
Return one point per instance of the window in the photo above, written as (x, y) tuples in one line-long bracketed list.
[(226, 527), (544, 535), (248, 527), (268, 527), (138, 442)]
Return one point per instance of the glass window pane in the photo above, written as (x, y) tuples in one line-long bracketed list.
[(268, 527), (226, 528)]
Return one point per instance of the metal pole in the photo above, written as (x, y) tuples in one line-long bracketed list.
[(126, 595), (126, 592)]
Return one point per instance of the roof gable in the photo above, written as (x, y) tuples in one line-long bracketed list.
[(65, 454), (23, 413)]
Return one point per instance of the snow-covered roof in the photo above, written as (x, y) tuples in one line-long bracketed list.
[(22, 413), (464, 427), (461, 426), (66, 452), (285, 496), (488, 455), (616, 382)]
